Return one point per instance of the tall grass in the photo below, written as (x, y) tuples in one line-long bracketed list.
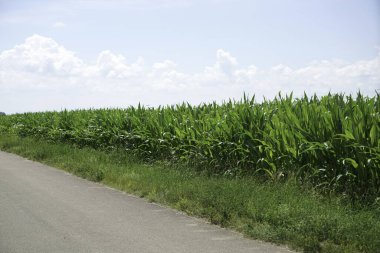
[(330, 142)]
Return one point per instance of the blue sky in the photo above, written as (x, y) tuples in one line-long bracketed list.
[(208, 50)]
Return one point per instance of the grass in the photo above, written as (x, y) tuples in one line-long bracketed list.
[(283, 213)]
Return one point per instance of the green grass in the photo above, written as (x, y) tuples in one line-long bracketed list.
[(284, 213)]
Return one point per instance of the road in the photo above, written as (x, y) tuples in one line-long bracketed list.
[(43, 209)]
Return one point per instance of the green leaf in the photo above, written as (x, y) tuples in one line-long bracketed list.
[(349, 135), (351, 161), (373, 134)]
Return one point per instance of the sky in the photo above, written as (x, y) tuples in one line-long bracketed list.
[(116, 53)]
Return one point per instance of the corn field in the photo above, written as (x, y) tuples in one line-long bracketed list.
[(330, 142)]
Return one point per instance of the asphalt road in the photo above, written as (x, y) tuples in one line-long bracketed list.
[(43, 209)]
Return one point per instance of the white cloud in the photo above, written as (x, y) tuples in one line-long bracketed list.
[(41, 56), (59, 24), (110, 65), (40, 68)]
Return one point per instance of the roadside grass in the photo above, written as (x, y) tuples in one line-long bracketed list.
[(283, 213)]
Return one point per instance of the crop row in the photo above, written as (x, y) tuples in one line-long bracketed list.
[(331, 142)]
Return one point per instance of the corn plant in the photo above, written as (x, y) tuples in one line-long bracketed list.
[(331, 142)]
